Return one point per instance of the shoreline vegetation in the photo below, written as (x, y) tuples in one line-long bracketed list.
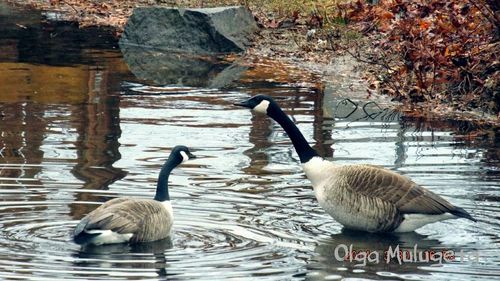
[(434, 59)]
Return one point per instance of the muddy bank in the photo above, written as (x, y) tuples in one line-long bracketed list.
[(348, 77)]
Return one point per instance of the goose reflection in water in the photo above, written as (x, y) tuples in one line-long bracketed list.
[(365, 255), (129, 260)]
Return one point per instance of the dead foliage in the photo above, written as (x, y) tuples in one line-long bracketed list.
[(439, 52)]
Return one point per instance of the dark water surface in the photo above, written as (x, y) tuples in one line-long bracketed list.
[(77, 128)]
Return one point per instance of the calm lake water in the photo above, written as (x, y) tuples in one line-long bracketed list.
[(81, 122)]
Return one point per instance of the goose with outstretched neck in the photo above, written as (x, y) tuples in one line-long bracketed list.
[(134, 220), (361, 197)]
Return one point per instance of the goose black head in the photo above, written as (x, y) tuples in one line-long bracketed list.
[(258, 103), (182, 153), (266, 105)]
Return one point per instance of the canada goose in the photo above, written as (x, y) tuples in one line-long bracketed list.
[(122, 220), (361, 197)]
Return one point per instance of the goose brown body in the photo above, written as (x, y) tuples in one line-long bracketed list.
[(372, 198), (142, 220)]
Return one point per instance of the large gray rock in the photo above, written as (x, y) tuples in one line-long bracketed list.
[(201, 31)]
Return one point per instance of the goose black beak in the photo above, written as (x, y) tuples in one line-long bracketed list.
[(191, 156), (243, 104)]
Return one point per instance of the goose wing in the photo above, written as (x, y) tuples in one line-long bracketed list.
[(135, 216), (103, 209), (403, 193)]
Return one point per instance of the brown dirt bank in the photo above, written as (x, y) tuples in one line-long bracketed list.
[(289, 42)]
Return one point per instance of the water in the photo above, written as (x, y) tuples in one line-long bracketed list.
[(77, 128)]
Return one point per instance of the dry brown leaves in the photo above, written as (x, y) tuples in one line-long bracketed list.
[(440, 52)]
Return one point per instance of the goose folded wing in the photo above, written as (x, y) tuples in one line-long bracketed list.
[(116, 218), (403, 193), (122, 215)]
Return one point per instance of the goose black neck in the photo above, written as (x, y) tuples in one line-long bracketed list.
[(304, 150), (162, 185)]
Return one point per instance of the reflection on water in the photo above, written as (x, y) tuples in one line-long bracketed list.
[(138, 260), (180, 69), (367, 255), (75, 134)]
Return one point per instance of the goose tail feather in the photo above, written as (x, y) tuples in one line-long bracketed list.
[(81, 226), (460, 212)]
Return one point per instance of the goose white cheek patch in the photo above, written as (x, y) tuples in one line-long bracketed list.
[(185, 157), (262, 107)]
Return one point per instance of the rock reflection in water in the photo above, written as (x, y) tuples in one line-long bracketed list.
[(181, 69)]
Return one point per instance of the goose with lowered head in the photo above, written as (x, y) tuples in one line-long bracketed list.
[(361, 197), (129, 220)]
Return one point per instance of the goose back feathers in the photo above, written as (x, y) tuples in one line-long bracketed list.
[(127, 219), (371, 198)]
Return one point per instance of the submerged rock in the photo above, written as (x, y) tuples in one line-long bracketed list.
[(200, 31)]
